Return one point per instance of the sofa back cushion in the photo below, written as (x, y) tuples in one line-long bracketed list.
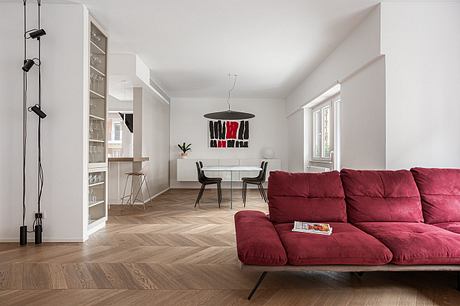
[(440, 192), (381, 196), (315, 197)]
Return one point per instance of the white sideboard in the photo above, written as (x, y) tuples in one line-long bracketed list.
[(187, 172)]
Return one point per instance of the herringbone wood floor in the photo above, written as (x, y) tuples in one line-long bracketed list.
[(173, 254)]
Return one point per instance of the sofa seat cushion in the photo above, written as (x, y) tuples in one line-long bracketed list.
[(440, 192), (257, 241), (385, 196), (416, 243), (450, 226), (347, 245), (312, 197)]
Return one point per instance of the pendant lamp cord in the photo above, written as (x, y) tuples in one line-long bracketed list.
[(231, 89)]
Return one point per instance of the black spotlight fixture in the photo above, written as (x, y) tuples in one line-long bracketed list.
[(229, 114), (36, 34), (38, 111), (29, 63)]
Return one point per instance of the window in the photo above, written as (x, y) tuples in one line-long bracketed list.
[(323, 132), (119, 138), (115, 131)]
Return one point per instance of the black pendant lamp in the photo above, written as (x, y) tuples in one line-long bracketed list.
[(229, 114)]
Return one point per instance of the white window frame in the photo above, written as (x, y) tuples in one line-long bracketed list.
[(320, 108), (333, 160), (112, 136)]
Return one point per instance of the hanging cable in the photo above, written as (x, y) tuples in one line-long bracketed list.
[(40, 176), (231, 89), (23, 228), (40, 168), (24, 123)]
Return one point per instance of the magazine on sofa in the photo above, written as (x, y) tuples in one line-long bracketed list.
[(312, 228)]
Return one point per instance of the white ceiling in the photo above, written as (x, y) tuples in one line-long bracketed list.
[(191, 45)]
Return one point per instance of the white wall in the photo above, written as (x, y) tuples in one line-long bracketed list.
[(267, 129), (354, 64), (296, 140), (120, 105), (399, 72), (422, 46), (138, 105), (64, 155), (359, 48), (363, 118), (155, 141)]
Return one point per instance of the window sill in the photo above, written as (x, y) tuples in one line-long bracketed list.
[(318, 161)]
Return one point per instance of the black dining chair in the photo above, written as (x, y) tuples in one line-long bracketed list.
[(258, 180), (204, 180)]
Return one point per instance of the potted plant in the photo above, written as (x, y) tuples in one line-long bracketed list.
[(184, 148)]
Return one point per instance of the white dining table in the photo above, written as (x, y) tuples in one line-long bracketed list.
[(231, 169)]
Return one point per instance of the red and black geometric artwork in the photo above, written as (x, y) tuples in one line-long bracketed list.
[(228, 134)]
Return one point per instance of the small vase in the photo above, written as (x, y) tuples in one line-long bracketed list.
[(184, 155)]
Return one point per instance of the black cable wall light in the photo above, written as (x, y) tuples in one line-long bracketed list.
[(37, 109), (229, 114)]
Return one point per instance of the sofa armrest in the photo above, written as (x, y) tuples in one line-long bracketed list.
[(257, 241)]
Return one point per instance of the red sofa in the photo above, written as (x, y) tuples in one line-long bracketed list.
[(382, 221)]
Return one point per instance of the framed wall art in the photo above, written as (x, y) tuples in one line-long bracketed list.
[(228, 134)]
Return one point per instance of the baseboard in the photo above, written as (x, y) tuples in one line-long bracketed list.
[(156, 195), (148, 200), (30, 240)]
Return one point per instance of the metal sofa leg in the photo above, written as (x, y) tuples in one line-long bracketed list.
[(259, 281), (458, 280)]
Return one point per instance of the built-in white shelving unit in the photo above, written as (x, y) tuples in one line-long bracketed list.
[(97, 138)]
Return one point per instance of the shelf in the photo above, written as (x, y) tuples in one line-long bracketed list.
[(97, 113), (96, 184), (97, 70), (95, 94), (97, 47), (96, 117), (96, 225), (92, 221), (97, 166), (96, 203)]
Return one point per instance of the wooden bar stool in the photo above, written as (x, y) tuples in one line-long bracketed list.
[(132, 197)]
